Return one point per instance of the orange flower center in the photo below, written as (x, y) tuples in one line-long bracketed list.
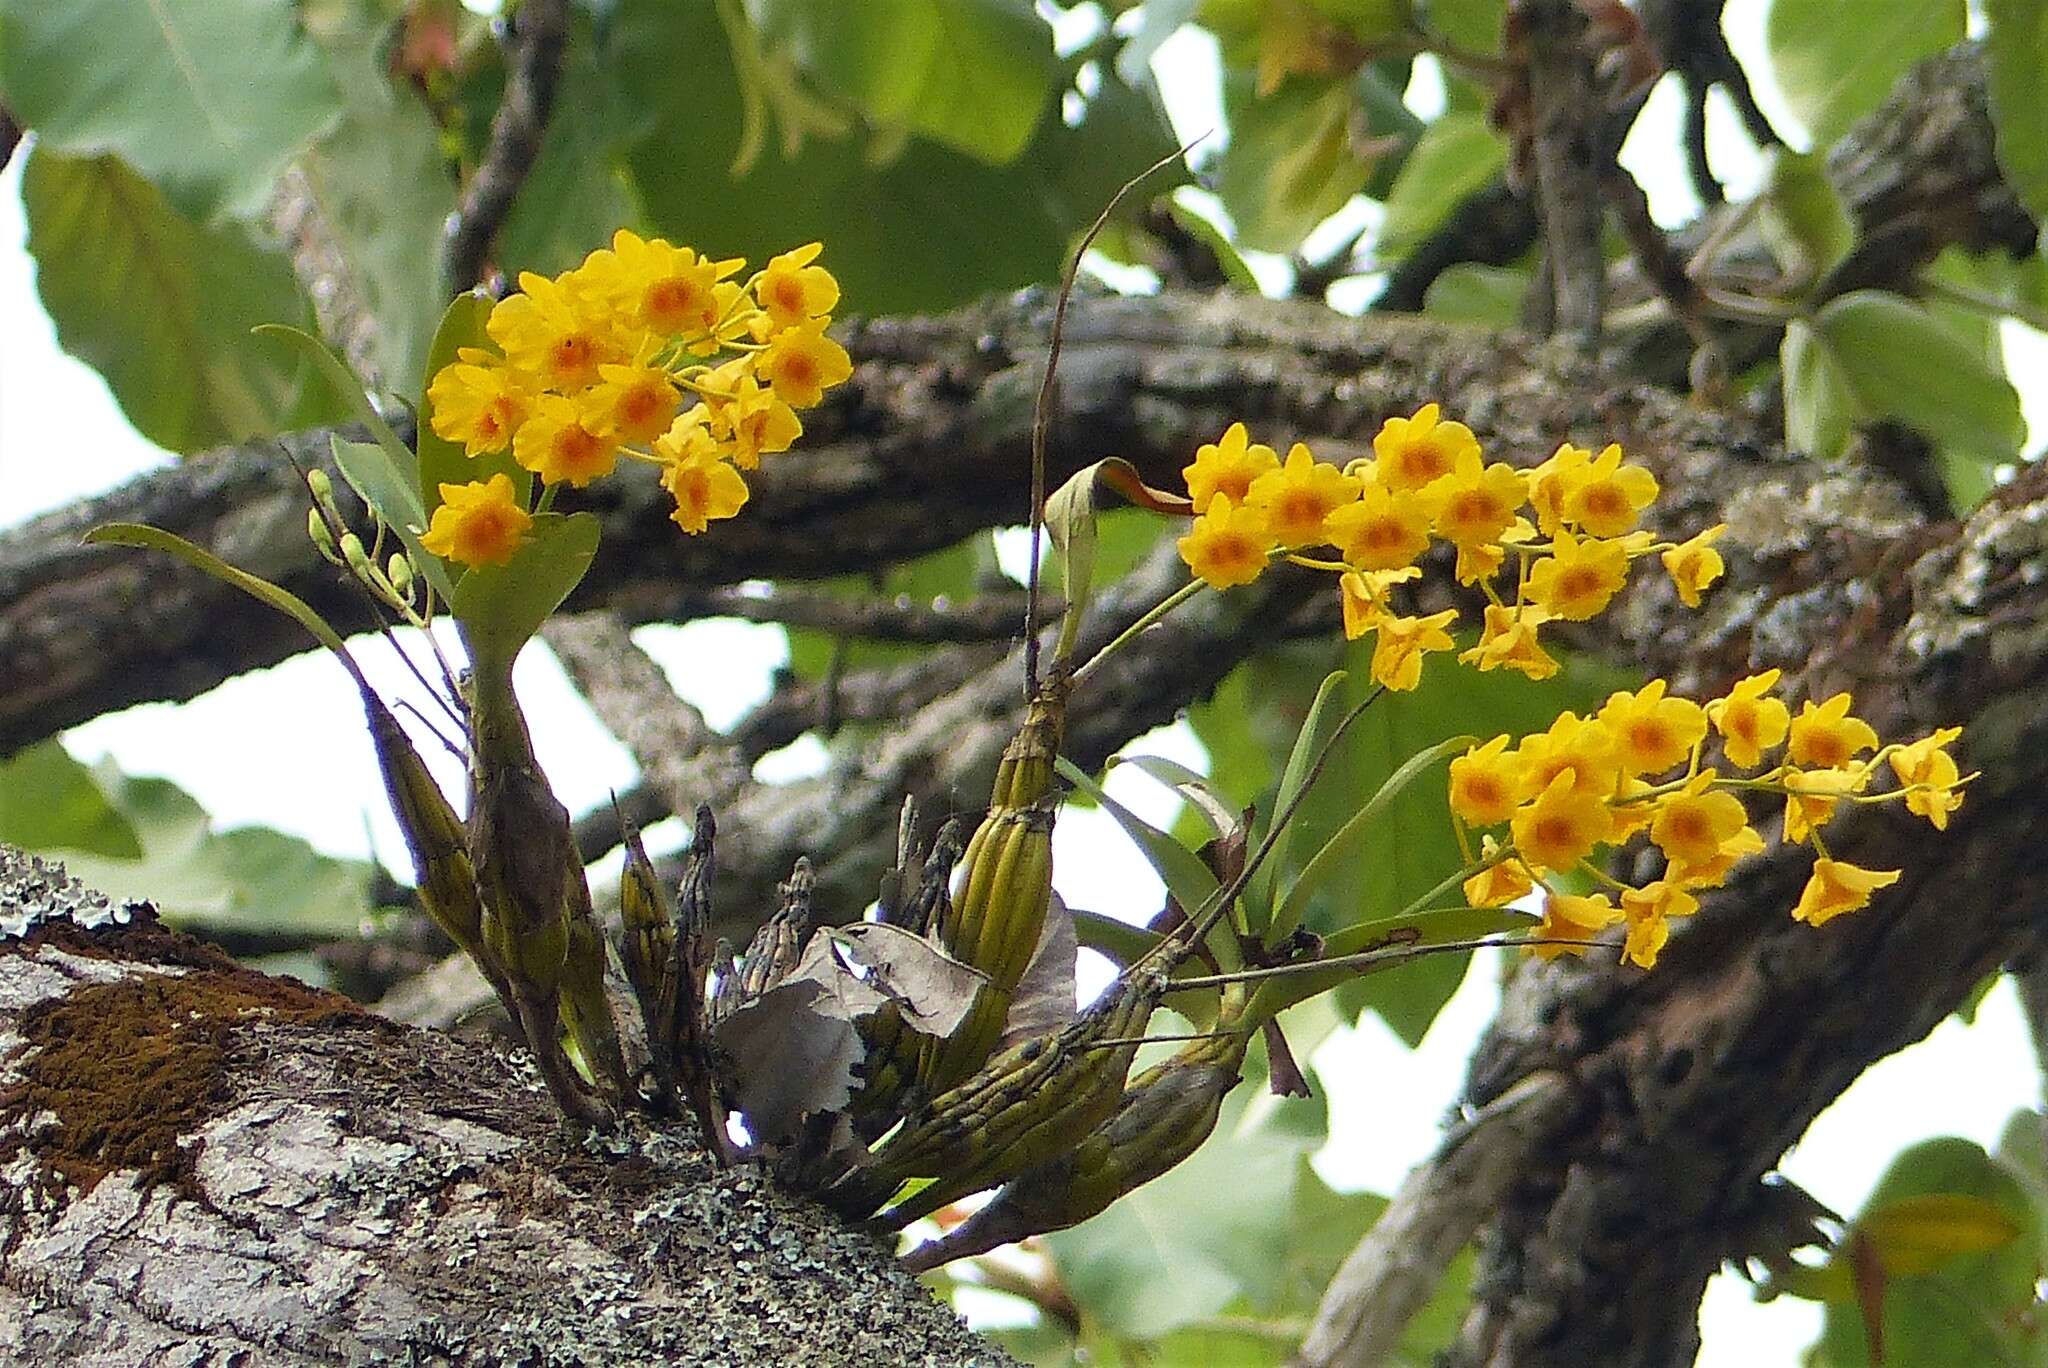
[(639, 405), (1605, 501), (1580, 581), (1421, 463), (575, 449), (572, 355), (1471, 506), (800, 369), (1648, 735), (673, 302), (1689, 826), (1826, 750)]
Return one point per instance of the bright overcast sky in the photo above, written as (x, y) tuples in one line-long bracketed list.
[(282, 747)]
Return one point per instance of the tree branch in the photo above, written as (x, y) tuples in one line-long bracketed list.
[(540, 36), (1396, 1268)]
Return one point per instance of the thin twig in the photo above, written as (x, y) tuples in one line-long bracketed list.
[(1041, 407)]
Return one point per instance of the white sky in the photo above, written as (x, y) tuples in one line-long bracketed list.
[(282, 747)]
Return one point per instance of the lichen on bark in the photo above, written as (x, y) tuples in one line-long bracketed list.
[(300, 1183)]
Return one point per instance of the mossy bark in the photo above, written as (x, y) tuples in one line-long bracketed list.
[(205, 1165)]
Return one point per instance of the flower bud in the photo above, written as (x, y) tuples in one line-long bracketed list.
[(316, 531), (399, 572), (352, 552)]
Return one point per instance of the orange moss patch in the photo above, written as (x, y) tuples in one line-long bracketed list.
[(131, 1070)]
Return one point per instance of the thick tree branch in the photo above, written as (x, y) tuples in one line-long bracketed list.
[(302, 1184), (1568, 151), (1701, 1073), (925, 446)]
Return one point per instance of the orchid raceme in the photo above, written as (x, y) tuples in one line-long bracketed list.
[(1427, 483), (1553, 542), (1636, 768), (648, 351)]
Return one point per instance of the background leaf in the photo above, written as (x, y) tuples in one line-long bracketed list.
[(577, 193), (1897, 360), (162, 307), (917, 227), (1971, 1308), (972, 74), (502, 606), (1836, 62), (48, 801), (2017, 49), (1412, 848), (384, 192), (1456, 155), (207, 98), (247, 881)]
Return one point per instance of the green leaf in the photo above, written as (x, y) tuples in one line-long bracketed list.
[(384, 190), (1898, 361), (390, 489), (1919, 1234), (1309, 745), (1195, 789), (1802, 217), (576, 195), (1234, 724), (283, 600), (1119, 941), (208, 99), (972, 74), (1289, 164), (1456, 155), (163, 308), (1413, 847), (440, 460), (500, 607), (1950, 1288), (2017, 47), (1472, 26), (1320, 1227), (348, 388), (1818, 405), (1369, 21), (1075, 521), (250, 879), (917, 227), (1197, 226), (1397, 936), (1180, 869), (1349, 839), (1836, 62), (1070, 523), (1488, 296), (1202, 1235), (48, 801)]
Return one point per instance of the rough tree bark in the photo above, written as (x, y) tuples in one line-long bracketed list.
[(1685, 1085), (207, 1166)]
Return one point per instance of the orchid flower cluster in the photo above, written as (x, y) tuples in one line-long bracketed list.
[(599, 362), (1543, 807), (1636, 767), (1427, 481)]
